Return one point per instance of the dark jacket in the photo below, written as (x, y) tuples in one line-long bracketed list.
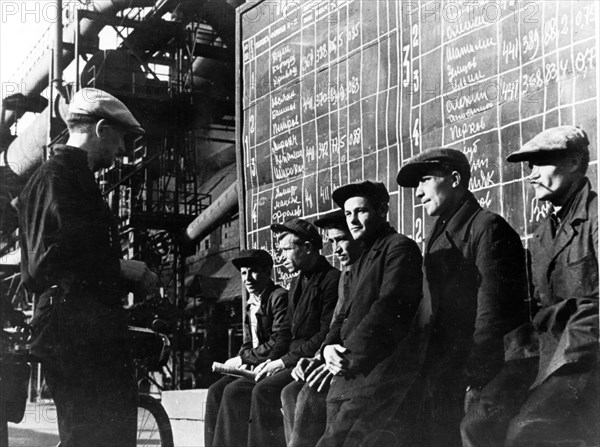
[(565, 279), (270, 320), (384, 294), (310, 318), (67, 232), (70, 253), (475, 285)]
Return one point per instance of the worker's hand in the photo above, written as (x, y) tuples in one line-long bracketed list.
[(268, 368), (234, 362), (304, 367), (319, 378), (472, 397), (335, 360), (140, 278)]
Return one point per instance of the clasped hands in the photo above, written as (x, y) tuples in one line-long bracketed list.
[(317, 372)]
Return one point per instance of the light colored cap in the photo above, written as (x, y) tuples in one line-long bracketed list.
[(98, 103), (550, 142)]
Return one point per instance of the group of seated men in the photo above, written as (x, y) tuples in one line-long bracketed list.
[(439, 350)]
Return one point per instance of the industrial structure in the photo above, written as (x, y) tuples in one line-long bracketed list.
[(175, 193)]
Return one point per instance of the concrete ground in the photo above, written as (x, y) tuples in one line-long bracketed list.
[(184, 408), (38, 428)]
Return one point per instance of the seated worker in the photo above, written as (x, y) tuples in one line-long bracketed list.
[(382, 299), (474, 293), (264, 338), (557, 403), (311, 300), (304, 400)]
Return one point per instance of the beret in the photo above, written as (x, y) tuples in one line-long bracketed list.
[(301, 228), (248, 258), (433, 158), (335, 219), (375, 191), (98, 103), (553, 141)]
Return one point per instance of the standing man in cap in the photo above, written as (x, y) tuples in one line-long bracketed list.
[(559, 403), (304, 400), (264, 339), (474, 292), (71, 256), (382, 300), (311, 300)]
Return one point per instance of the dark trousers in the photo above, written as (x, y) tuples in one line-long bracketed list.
[(96, 406), (562, 411), (304, 414), (266, 419), (228, 412), (341, 416)]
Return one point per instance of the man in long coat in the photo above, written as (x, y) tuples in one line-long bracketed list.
[(384, 293), (558, 401), (474, 293)]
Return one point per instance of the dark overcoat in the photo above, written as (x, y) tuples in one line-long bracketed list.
[(475, 283), (383, 296)]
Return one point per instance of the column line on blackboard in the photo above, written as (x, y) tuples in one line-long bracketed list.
[(498, 124)]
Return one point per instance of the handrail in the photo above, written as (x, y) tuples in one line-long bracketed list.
[(131, 174)]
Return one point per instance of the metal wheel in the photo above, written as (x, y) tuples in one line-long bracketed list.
[(153, 426)]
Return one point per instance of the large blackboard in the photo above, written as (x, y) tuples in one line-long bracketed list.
[(332, 92)]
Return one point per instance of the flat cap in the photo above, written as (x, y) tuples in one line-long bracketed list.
[(250, 258), (98, 103), (376, 192), (551, 142), (335, 219), (437, 157), (301, 228)]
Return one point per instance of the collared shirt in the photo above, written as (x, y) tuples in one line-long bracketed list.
[(253, 305)]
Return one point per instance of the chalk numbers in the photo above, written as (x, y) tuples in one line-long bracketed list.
[(419, 235), (416, 133)]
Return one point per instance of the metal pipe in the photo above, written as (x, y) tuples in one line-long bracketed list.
[(214, 215), (27, 157), (37, 79), (58, 47)]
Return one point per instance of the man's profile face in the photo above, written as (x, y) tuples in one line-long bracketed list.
[(550, 178), (343, 245), (295, 252), (435, 192), (363, 219), (255, 278), (112, 139)]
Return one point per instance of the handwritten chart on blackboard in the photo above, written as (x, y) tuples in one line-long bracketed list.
[(332, 92)]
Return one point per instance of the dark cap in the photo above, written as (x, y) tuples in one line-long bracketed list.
[(98, 103), (376, 192), (550, 142), (335, 219), (251, 258), (301, 228), (434, 158)]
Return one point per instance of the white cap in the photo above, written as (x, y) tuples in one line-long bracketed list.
[(94, 102)]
